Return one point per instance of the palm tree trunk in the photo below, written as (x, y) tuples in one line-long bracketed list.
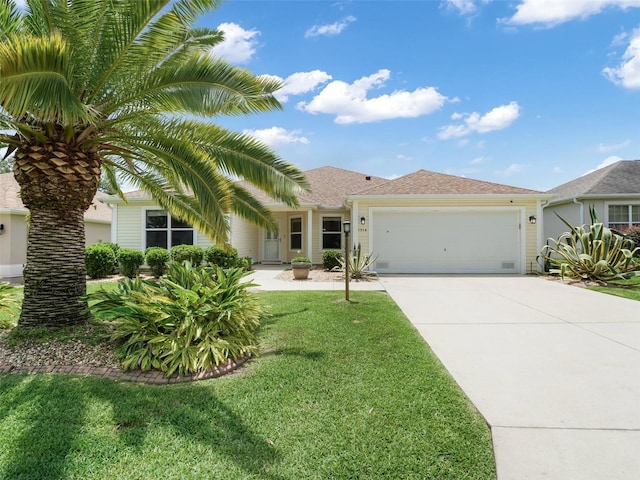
[(58, 181), (55, 273)]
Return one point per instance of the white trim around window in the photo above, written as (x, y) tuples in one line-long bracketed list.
[(163, 230), (623, 216), (328, 237), (296, 235)]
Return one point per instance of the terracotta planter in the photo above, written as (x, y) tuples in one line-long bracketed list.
[(301, 270)]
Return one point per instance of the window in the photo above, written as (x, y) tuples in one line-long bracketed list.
[(163, 230), (622, 217), (331, 233), (295, 233)]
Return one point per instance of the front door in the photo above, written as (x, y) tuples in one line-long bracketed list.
[(271, 247)]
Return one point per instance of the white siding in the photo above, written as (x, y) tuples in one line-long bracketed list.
[(245, 238)]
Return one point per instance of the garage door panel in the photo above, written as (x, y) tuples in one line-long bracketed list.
[(446, 242)]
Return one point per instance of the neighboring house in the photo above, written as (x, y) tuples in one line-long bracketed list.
[(614, 192), (13, 227), (424, 222)]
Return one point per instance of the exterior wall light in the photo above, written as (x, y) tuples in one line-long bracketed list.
[(362, 220), (1, 228), (532, 220)]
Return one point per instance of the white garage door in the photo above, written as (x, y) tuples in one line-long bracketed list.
[(446, 241)]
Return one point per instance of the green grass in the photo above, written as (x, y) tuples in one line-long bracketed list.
[(341, 391), (9, 320), (622, 288)]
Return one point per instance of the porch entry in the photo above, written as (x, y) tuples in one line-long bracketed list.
[(272, 247)]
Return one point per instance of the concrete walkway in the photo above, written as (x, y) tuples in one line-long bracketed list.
[(554, 369)]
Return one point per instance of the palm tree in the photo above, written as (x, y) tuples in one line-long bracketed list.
[(124, 88)]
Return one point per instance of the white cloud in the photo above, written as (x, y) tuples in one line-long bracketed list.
[(403, 158), (603, 148), (464, 7), (512, 169), (331, 29), (498, 118), (557, 169), (300, 82), (393, 176), (239, 44), (605, 163), (276, 136), (555, 12), (350, 104), (627, 73), (477, 161)]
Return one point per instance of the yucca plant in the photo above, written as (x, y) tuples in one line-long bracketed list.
[(591, 252), (192, 319), (358, 264)]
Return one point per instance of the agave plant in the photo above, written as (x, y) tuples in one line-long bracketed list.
[(591, 252), (358, 264)]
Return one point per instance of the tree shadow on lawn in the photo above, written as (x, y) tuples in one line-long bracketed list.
[(53, 421)]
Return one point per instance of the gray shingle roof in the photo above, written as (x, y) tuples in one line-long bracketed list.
[(618, 178), (329, 186), (424, 182)]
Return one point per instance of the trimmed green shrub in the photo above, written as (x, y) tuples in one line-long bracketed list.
[(116, 248), (99, 260), (130, 261), (590, 252), (301, 260), (191, 253), (331, 259), (223, 258), (187, 322), (246, 263), (157, 258)]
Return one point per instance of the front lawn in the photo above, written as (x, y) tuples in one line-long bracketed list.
[(622, 288), (341, 391)]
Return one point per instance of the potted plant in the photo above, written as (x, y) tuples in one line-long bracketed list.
[(301, 267)]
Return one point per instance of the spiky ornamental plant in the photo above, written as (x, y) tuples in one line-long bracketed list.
[(124, 88), (593, 252)]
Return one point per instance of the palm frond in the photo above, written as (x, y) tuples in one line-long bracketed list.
[(35, 78), (10, 19)]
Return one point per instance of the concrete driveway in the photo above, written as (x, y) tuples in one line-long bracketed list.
[(554, 369)]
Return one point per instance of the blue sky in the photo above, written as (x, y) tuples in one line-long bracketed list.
[(528, 93)]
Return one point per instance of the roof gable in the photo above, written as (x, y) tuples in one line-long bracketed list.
[(618, 178), (424, 182)]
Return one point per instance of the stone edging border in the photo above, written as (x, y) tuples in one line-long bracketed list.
[(151, 377)]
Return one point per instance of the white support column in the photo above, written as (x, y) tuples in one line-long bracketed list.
[(310, 234)]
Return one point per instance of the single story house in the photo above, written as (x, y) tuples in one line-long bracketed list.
[(13, 227), (424, 222), (614, 192)]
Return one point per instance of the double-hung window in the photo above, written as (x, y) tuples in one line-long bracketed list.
[(163, 230), (295, 233), (331, 233), (622, 217)]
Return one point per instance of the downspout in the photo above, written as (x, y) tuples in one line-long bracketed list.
[(575, 200)]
